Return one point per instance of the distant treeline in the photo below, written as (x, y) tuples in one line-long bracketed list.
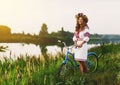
[(37, 39), (49, 38)]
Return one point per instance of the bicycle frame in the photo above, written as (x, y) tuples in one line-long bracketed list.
[(75, 62), (66, 57)]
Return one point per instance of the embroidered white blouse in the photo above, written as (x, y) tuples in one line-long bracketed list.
[(81, 53)]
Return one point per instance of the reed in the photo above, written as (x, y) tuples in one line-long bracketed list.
[(41, 70)]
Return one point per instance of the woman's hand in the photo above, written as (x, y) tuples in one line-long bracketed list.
[(79, 45)]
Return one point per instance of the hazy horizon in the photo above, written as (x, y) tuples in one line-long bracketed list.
[(29, 15)]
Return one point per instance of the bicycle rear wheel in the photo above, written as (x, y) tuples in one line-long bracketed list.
[(92, 62)]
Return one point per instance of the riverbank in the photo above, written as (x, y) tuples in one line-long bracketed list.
[(32, 70)]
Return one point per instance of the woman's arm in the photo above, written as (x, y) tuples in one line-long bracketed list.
[(85, 39), (86, 35), (74, 38)]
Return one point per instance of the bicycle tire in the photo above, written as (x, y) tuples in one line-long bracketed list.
[(65, 69), (92, 62)]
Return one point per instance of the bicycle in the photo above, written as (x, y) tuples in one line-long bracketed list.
[(69, 64)]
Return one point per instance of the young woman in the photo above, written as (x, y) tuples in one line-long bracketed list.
[(80, 38)]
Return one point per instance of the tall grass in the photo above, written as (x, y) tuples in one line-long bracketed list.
[(28, 70), (32, 70), (108, 66)]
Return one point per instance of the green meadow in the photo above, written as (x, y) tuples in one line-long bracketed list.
[(32, 70)]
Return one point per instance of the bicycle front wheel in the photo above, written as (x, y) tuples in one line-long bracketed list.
[(92, 61), (65, 69)]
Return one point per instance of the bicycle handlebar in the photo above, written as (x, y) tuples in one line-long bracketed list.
[(69, 47), (62, 42)]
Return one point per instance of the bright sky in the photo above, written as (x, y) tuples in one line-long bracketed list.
[(28, 15)]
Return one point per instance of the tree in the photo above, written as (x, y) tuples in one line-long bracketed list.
[(44, 30), (62, 29), (5, 30)]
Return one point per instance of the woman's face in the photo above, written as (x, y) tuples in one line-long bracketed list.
[(80, 20)]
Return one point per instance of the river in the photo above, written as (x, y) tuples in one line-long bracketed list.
[(14, 50)]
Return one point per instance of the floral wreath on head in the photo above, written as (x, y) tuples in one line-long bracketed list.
[(83, 16)]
